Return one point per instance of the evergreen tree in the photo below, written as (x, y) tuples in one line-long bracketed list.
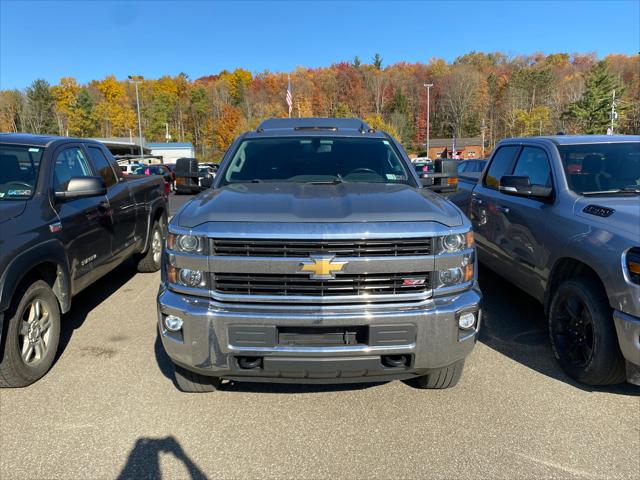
[(356, 61), (40, 108), (377, 61), (592, 111)]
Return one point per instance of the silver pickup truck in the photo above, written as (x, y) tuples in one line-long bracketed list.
[(560, 218), (318, 257)]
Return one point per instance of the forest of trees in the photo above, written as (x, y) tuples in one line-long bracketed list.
[(510, 95)]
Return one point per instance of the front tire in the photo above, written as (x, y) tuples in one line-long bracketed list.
[(446, 377), (192, 382), (583, 334), (150, 261), (32, 337)]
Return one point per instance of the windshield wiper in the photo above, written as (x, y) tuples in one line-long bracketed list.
[(629, 189), (335, 181)]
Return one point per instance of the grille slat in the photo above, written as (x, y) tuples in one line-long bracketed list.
[(285, 285), (304, 248)]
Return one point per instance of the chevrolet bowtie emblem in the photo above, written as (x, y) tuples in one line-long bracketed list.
[(322, 267)]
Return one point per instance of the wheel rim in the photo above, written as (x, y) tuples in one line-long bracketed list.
[(573, 331), (156, 246), (35, 332)]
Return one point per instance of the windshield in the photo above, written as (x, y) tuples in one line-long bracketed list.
[(19, 166), (316, 160), (601, 167)]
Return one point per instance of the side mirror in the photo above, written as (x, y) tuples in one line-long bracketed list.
[(83, 187), (207, 181), (521, 186)]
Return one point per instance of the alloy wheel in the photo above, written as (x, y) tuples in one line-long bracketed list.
[(35, 332)]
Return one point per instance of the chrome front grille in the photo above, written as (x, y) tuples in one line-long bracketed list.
[(302, 285), (304, 248)]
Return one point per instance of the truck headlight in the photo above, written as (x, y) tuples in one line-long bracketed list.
[(186, 277), (187, 243), (633, 264), (454, 242)]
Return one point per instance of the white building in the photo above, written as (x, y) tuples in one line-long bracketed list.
[(171, 151)]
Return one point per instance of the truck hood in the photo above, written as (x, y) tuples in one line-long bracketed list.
[(297, 202), (11, 209), (625, 216)]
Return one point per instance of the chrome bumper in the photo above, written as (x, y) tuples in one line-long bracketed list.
[(628, 329), (204, 345)]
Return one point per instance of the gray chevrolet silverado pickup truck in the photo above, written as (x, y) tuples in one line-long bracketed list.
[(318, 257), (67, 217), (560, 218)]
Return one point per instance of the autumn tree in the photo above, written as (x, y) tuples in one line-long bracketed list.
[(113, 111), (66, 98)]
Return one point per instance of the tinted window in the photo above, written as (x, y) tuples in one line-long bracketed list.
[(601, 166), (69, 163), (500, 165), (316, 159), (534, 163), (102, 166), (19, 165)]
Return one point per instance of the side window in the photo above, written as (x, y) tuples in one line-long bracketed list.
[(534, 163), (70, 163), (102, 166), (500, 165)]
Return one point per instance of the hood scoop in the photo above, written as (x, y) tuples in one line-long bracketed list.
[(598, 211)]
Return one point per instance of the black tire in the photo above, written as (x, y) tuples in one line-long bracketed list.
[(32, 332), (445, 377), (192, 382), (150, 261), (583, 335)]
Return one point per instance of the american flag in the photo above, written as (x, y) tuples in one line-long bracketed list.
[(289, 97)]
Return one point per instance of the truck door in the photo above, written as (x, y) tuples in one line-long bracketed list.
[(121, 204), (84, 222), (484, 210), (522, 223)]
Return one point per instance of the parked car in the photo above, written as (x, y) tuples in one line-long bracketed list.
[(160, 170), (68, 216), (206, 174), (129, 168), (318, 257), (560, 218)]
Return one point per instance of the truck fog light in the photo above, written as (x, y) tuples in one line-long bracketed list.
[(450, 276), (191, 278), (467, 320), (172, 323)]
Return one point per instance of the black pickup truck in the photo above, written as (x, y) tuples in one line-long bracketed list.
[(67, 217)]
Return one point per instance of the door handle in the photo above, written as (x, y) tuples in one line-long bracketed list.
[(502, 208)]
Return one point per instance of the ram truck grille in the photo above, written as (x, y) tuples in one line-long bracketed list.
[(289, 285), (340, 248)]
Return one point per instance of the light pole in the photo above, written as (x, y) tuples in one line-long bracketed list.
[(137, 79), (428, 87), (483, 127)]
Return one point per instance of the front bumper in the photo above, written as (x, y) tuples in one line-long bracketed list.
[(628, 329), (209, 342)]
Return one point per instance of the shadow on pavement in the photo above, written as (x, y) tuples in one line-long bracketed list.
[(90, 298), (144, 459), (515, 325)]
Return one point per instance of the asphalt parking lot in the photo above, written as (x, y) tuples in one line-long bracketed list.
[(109, 409)]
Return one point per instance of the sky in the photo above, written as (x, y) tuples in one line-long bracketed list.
[(91, 39)]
